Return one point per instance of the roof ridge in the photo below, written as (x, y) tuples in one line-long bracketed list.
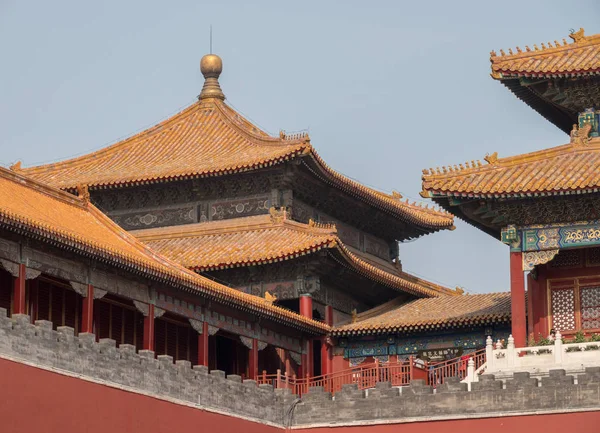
[(393, 199), (122, 143), (66, 197), (578, 42), (268, 139), (234, 225), (524, 158)]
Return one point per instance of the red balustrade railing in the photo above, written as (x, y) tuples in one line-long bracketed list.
[(365, 376), (456, 367)]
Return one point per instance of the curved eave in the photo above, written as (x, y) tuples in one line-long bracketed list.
[(421, 327), (427, 220), (63, 240)]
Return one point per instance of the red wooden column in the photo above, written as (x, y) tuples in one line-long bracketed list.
[(19, 306), (203, 345), (306, 310), (517, 297), (87, 312), (326, 349), (253, 360), (149, 329)]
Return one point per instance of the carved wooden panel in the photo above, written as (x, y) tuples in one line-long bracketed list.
[(52, 264), (116, 284), (9, 250), (156, 218), (302, 212), (226, 209), (376, 247)]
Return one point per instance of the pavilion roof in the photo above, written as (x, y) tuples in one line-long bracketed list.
[(428, 314), (211, 139), (558, 81), (581, 57), (267, 239), (34, 209), (568, 169)]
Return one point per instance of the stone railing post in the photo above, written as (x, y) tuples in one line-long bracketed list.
[(489, 352), (558, 349), (278, 380), (470, 372), (510, 351)]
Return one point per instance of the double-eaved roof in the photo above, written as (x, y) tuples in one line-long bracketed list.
[(568, 169), (430, 314), (558, 80), (211, 139), (34, 209), (267, 239)]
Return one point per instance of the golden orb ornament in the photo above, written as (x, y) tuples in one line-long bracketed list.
[(211, 67)]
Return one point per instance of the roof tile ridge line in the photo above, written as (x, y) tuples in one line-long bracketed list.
[(357, 261), (588, 41), (314, 228), (267, 140), (327, 243), (386, 307), (426, 282), (536, 155), (24, 180), (121, 143), (388, 198), (203, 229)]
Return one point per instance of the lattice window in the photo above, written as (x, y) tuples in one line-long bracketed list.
[(567, 259), (590, 307), (593, 257), (563, 309)]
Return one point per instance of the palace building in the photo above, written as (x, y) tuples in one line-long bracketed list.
[(264, 215), (544, 205)]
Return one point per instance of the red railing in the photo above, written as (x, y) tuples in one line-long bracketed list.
[(367, 375), (456, 367)]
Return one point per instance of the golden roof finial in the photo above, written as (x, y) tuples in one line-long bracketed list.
[(83, 193), (270, 298), (491, 159), (354, 315), (16, 166), (396, 195), (578, 35), (211, 67)]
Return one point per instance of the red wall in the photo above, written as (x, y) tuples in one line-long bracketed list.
[(582, 422), (35, 400)]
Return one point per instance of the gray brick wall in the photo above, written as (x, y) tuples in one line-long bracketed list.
[(41, 346)]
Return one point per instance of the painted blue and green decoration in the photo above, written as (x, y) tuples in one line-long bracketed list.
[(435, 347), (552, 237)]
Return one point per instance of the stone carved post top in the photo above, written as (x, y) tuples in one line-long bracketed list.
[(489, 341), (80, 288), (262, 345), (212, 330), (11, 267), (142, 307), (197, 325), (246, 341), (511, 342), (99, 293), (31, 274)]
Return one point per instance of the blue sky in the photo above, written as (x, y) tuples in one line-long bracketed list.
[(386, 88)]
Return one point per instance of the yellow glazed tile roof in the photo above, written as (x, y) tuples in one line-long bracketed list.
[(570, 168), (582, 57), (268, 239), (70, 221), (210, 139), (430, 313)]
